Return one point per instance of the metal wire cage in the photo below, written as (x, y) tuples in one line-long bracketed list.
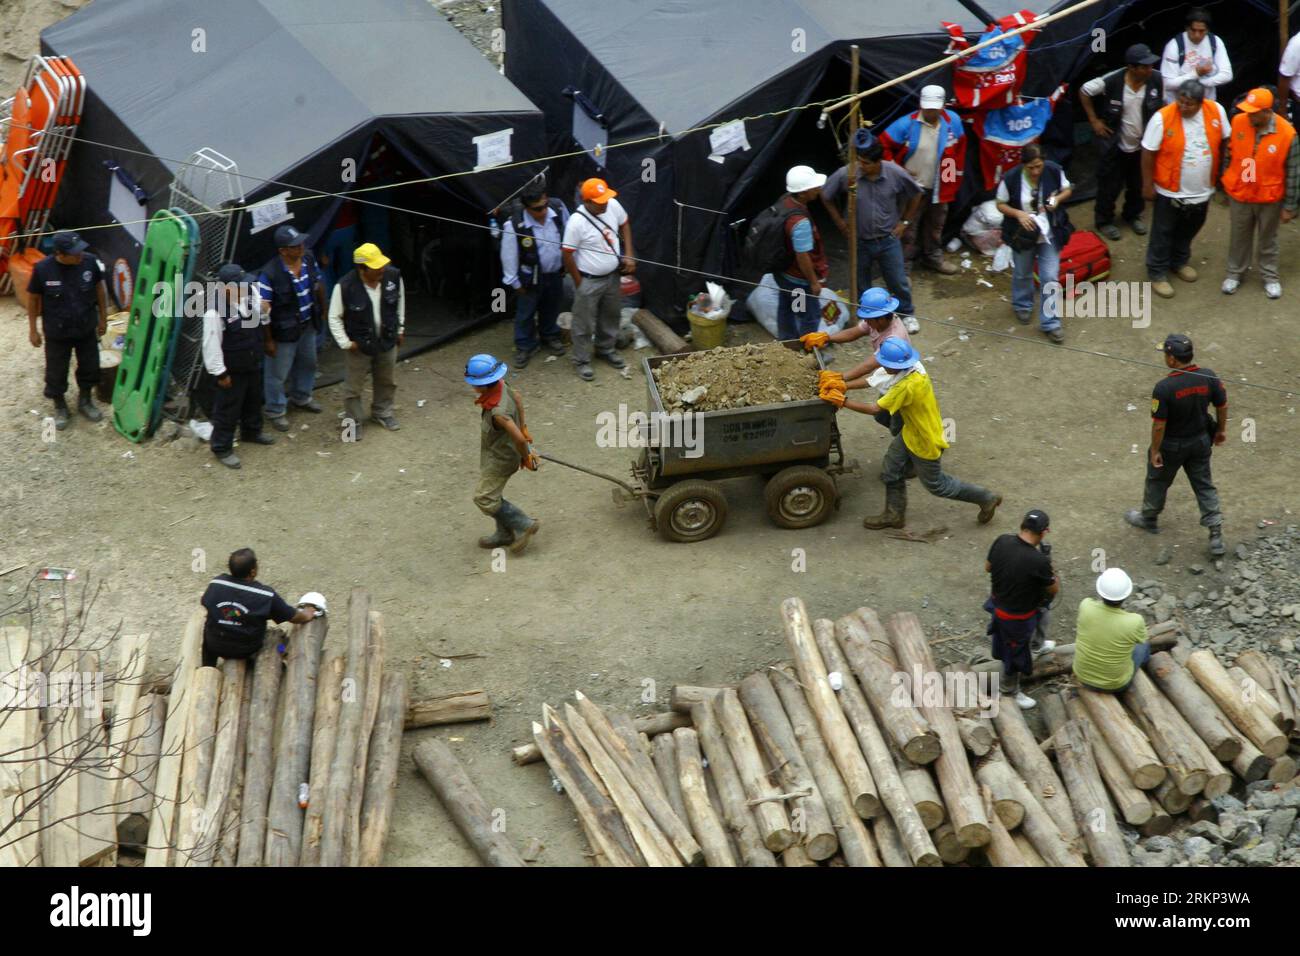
[(207, 186)]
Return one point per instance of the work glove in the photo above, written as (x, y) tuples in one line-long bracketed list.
[(832, 393), (531, 461), (830, 378), (814, 340)]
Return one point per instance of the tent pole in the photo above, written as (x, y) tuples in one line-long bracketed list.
[(850, 171), (1283, 21)]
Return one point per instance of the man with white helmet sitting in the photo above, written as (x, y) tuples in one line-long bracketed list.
[(1110, 643)]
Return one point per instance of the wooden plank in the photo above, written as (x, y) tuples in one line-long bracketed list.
[(167, 785), (128, 727), (20, 740), (96, 783)]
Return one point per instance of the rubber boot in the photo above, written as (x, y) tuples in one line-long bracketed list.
[(895, 508), (500, 538), (61, 414), (86, 405), (1217, 550), (523, 526)]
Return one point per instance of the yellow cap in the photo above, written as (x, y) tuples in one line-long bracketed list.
[(369, 256)]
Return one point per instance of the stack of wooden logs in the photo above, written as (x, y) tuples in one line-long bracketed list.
[(861, 752), (281, 760)]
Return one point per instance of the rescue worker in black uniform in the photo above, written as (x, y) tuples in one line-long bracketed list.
[(238, 608), (236, 333), (1182, 436), (68, 296)]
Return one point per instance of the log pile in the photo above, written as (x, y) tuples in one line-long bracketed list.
[(859, 751), (285, 759)]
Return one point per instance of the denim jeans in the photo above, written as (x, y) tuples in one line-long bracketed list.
[(792, 321), (293, 369), (931, 475), (887, 253), (536, 310), (1022, 283)]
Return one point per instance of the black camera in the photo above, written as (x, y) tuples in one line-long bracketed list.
[(1044, 547)]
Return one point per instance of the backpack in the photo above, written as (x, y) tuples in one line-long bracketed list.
[(767, 248), (1085, 256), (1181, 40)]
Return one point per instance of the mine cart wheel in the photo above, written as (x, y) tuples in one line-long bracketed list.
[(800, 497), (691, 511)]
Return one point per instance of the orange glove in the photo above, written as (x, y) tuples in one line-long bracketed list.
[(828, 377), (814, 340), (530, 461), (832, 393)]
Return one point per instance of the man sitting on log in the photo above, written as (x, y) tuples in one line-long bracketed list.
[(238, 609), (1111, 643), (1022, 585)]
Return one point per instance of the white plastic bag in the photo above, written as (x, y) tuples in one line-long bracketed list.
[(1001, 259), (762, 305)]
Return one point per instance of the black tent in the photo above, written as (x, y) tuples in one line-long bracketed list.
[(647, 70), (297, 93)]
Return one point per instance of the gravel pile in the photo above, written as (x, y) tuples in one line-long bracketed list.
[(736, 378), (1258, 829)]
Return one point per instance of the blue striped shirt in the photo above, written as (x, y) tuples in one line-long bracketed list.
[(301, 285)]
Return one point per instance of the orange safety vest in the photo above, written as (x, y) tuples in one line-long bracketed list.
[(1169, 159), (1256, 169)]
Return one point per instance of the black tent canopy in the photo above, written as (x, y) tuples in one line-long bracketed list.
[(289, 90), (654, 68)]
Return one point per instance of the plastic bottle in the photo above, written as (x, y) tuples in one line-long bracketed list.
[(304, 795), (495, 228)]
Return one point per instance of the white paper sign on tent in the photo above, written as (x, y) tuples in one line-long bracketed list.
[(493, 149), (727, 138), (269, 212)]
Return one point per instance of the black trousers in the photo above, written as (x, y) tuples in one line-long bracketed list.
[(240, 405), (1118, 171), (1191, 455), (58, 356), (1173, 227)]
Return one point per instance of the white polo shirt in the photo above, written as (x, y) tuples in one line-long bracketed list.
[(590, 237), (1199, 167)]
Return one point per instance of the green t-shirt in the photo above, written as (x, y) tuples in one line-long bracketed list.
[(1104, 642), (497, 452)]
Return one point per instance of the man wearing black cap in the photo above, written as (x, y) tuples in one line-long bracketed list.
[(291, 283), (67, 294), (235, 334), (1022, 585), (1119, 106), (1182, 435)]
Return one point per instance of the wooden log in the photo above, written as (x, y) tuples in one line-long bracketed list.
[(639, 771), (196, 769), (794, 855), (866, 647), (1021, 750), (1128, 743), (228, 850), (167, 780), (1283, 769), (1001, 849), (907, 821), (1203, 811), (212, 811), (654, 845), (949, 844), (20, 740), (956, 782), (975, 735), (383, 756), (835, 730), (463, 803), (890, 843), (375, 655), (129, 724), (995, 775), (660, 335), (1161, 822), (1172, 797), (259, 751), (1196, 706), (685, 696), (1027, 851), (651, 724), (1251, 765), (856, 842), (663, 751), (325, 728), (1268, 676), (731, 791), (921, 789), (97, 771), (605, 828), (815, 832), (1060, 661), (773, 822), (715, 801), (1212, 677), (1170, 735), (1092, 807), (1218, 779), (1040, 828), (456, 708), (334, 849), (1133, 804), (705, 823), (1262, 697), (642, 752), (284, 814)]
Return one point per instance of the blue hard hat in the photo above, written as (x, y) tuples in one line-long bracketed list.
[(876, 303), (484, 369), (864, 140), (896, 353)]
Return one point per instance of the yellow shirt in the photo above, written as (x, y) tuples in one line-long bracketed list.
[(922, 429)]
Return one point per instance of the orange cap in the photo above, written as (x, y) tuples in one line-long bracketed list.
[(1256, 100), (597, 190)]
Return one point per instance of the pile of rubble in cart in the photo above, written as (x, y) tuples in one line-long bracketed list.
[(853, 754)]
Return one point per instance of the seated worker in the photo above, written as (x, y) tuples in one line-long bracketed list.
[(238, 609), (1110, 643)]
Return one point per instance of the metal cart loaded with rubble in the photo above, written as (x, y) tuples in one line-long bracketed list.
[(794, 446)]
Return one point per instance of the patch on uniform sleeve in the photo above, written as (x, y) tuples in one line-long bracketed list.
[(1155, 405)]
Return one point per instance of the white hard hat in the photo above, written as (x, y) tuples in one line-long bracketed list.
[(315, 599), (799, 178), (932, 97), (1114, 585)]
